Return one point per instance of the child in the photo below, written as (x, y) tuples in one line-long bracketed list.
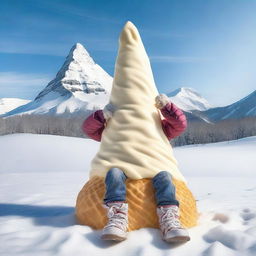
[(115, 197)]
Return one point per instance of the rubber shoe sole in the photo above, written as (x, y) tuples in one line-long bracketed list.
[(114, 234), (178, 239), (177, 236), (112, 237)]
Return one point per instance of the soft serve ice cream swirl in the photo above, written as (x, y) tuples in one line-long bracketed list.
[(133, 139)]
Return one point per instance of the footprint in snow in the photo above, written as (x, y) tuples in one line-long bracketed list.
[(233, 239), (223, 218), (247, 214)]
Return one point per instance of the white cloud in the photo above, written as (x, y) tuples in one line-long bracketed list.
[(77, 11), (178, 59), (53, 49), (8, 79), (22, 85), (160, 34), (12, 46)]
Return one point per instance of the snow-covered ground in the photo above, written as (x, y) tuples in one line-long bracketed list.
[(41, 175)]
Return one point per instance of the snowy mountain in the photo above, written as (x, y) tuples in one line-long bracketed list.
[(79, 86), (187, 99), (8, 104), (198, 109), (243, 108)]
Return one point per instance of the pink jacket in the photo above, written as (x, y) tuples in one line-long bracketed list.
[(173, 125)]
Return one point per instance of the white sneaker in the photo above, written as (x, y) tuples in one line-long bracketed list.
[(170, 226), (116, 229)]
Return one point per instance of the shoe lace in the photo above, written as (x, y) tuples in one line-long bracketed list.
[(117, 217), (169, 219)]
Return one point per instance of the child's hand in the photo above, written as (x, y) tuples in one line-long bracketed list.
[(108, 111), (161, 100)]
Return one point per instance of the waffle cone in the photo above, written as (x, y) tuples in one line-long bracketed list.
[(141, 200)]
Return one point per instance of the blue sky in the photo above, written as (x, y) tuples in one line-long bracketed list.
[(209, 45)]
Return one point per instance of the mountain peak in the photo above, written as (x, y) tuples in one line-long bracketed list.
[(188, 99), (79, 73), (183, 90), (79, 54), (80, 85), (78, 46)]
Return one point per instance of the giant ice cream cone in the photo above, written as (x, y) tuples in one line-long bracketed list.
[(134, 141)]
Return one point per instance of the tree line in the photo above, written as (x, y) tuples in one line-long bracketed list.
[(225, 130), (196, 132)]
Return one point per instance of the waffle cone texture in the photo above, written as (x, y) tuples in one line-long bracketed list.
[(141, 201)]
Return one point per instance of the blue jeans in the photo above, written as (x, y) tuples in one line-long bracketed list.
[(162, 182)]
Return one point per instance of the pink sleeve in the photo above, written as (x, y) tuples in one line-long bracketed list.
[(175, 122), (94, 125)]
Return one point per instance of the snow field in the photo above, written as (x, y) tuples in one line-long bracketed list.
[(41, 175)]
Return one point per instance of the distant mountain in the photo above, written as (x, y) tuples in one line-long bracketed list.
[(243, 108), (191, 102), (79, 86), (8, 104), (82, 86), (198, 108), (188, 99)]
